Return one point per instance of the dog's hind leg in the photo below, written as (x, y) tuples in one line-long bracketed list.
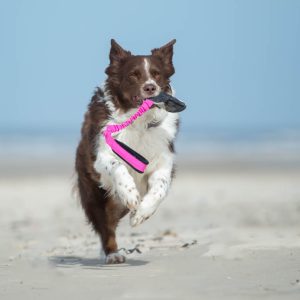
[(104, 215), (114, 212)]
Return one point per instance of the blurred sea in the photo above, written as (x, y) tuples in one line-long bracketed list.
[(52, 149)]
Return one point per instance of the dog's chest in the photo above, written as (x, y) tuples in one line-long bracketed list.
[(147, 134), (150, 136), (149, 142)]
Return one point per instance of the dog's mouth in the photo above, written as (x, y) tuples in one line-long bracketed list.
[(163, 100), (138, 100)]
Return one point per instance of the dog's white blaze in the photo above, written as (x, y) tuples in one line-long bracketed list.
[(149, 79), (147, 68)]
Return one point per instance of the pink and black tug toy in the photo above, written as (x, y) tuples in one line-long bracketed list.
[(131, 157)]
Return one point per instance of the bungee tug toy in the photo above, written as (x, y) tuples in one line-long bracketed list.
[(131, 157)]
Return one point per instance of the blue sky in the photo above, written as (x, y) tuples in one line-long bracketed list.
[(237, 62)]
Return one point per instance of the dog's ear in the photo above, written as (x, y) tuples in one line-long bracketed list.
[(165, 53), (117, 53), (116, 56)]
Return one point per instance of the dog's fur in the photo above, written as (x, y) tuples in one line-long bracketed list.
[(108, 187)]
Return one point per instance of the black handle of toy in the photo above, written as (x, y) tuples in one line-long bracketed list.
[(172, 104)]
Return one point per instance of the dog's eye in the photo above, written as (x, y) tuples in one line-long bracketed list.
[(135, 74), (155, 73)]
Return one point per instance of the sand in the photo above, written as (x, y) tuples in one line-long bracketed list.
[(231, 232)]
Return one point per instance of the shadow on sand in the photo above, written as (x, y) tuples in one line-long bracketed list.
[(90, 263)]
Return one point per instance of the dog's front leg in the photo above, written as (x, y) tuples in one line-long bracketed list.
[(122, 181), (159, 183)]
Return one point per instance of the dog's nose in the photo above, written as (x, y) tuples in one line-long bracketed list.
[(149, 88)]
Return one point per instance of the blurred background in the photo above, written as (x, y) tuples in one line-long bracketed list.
[(237, 191), (237, 67)]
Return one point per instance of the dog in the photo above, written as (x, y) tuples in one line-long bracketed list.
[(109, 188)]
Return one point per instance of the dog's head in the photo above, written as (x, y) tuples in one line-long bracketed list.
[(132, 78)]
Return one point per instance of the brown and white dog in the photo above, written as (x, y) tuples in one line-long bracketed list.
[(108, 187)]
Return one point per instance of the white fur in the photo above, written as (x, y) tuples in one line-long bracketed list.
[(107, 98), (114, 258), (147, 68), (149, 80), (141, 193)]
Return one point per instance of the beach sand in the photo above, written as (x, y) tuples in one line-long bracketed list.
[(228, 231)]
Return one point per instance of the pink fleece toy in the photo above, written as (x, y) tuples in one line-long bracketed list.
[(134, 159)]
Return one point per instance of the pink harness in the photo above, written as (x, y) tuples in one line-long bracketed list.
[(134, 159)]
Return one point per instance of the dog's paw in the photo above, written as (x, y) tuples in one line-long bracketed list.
[(129, 195), (115, 258), (144, 211), (126, 188)]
